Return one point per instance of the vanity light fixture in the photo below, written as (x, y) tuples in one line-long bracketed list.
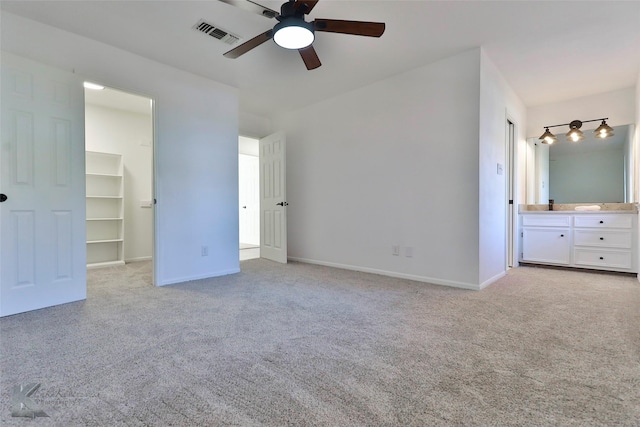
[(604, 130), (575, 134), (548, 137)]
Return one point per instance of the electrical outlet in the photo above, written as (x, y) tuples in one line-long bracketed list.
[(395, 250), (205, 251)]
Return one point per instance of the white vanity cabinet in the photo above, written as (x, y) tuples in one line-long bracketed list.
[(602, 241), (546, 239)]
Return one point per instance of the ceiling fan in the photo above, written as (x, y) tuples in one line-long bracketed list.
[(293, 32)]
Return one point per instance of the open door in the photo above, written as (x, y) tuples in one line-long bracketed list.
[(42, 215), (273, 198)]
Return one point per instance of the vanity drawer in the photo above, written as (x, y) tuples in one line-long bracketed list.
[(604, 221), (603, 238), (549, 220), (602, 258)]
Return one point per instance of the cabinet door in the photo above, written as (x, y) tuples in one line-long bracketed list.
[(547, 245)]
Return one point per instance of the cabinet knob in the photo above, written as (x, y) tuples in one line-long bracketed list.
[(602, 257), (602, 238), (601, 222), (562, 235)]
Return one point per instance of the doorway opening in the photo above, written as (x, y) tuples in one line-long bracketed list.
[(249, 197), (119, 178)]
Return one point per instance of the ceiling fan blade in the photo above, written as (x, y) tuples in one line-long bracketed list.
[(305, 6), (310, 57), (254, 7), (358, 28), (250, 44)]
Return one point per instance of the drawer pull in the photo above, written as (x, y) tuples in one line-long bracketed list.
[(602, 258), (601, 222), (602, 238)]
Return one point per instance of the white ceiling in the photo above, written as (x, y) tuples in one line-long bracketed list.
[(119, 100), (548, 51)]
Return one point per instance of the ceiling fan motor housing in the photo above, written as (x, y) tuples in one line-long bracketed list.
[(288, 9)]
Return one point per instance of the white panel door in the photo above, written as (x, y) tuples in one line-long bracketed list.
[(273, 198), (42, 220)]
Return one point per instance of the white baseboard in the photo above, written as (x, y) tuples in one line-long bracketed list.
[(423, 279), (200, 277), (492, 279), (138, 259)]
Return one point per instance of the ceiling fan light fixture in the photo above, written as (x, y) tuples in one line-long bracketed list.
[(293, 33), (604, 130), (547, 137)]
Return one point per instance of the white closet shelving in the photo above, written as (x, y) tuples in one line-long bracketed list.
[(105, 209)]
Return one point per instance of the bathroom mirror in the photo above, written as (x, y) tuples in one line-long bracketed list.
[(589, 171)]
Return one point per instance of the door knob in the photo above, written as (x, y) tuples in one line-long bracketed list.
[(282, 204), (3, 198), (244, 207)]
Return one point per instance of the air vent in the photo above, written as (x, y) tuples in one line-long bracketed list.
[(216, 32)]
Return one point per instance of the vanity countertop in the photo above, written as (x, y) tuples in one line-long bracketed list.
[(564, 208)]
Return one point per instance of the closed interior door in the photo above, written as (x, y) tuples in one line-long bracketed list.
[(273, 198), (42, 220)]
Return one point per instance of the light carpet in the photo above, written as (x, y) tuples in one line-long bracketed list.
[(305, 345)]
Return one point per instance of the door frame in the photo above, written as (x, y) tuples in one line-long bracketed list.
[(154, 167), (257, 141), (512, 240)]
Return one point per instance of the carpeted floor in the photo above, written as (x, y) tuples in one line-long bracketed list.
[(305, 345)]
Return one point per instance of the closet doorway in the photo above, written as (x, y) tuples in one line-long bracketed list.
[(249, 197), (119, 174)]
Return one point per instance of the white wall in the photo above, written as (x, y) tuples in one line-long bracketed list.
[(498, 103), (129, 134), (393, 163), (196, 130), (254, 126), (617, 105)]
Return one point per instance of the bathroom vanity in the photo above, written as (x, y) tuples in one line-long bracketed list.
[(600, 240)]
